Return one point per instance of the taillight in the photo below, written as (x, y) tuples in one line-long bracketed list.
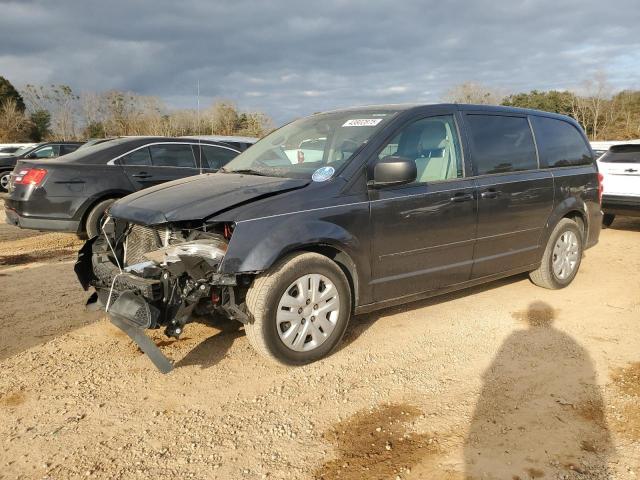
[(600, 187), (30, 176)]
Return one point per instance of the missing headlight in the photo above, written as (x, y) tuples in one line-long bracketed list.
[(211, 250)]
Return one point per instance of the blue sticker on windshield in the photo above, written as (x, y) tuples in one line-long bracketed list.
[(323, 174)]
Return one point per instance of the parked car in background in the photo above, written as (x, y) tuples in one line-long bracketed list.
[(620, 168), (600, 147), (404, 203), (10, 149), (240, 143), (39, 151), (72, 193)]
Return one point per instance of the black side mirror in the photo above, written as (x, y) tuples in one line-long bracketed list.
[(392, 170)]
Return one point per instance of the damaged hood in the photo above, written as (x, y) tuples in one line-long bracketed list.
[(198, 197)]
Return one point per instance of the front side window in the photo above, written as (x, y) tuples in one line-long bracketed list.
[(300, 148), (433, 144), (559, 143), (501, 144), (168, 155), (50, 151)]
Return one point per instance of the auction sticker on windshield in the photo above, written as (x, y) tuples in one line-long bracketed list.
[(362, 122), (323, 174)]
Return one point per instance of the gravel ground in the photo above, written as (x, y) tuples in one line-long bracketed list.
[(504, 381)]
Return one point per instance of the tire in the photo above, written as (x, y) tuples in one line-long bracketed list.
[(607, 219), (546, 275), (4, 181), (94, 218), (267, 301)]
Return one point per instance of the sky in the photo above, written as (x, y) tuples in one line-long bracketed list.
[(289, 58)]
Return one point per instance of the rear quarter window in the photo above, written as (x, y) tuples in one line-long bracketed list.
[(560, 144), (501, 143), (137, 157)]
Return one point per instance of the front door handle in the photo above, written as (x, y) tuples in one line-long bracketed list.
[(491, 193), (141, 175), (462, 197)]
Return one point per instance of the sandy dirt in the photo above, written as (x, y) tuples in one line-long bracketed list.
[(505, 381)]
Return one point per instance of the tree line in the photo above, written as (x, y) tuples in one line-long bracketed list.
[(603, 113), (56, 112)]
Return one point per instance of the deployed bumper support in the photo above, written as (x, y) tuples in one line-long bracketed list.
[(154, 297)]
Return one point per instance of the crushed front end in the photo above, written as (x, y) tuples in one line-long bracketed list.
[(149, 277)]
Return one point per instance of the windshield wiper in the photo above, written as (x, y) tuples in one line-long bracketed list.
[(247, 171)]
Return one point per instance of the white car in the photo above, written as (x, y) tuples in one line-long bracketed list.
[(620, 169)]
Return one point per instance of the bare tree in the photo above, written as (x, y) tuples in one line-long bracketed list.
[(471, 92), (14, 124)]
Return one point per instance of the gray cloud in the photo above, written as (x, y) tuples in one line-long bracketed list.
[(290, 58)]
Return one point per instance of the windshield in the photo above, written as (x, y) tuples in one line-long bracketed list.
[(300, 148)]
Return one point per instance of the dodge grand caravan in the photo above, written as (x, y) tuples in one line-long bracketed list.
[(404, 202)]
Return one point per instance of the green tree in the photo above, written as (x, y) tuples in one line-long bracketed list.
[(551, 101), (40, 125), (94, 130), (8, 92)]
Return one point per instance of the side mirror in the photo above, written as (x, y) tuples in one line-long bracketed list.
[(392, 170)]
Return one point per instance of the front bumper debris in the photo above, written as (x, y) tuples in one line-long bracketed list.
[(151, 294)]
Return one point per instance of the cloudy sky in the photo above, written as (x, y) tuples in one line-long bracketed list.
[(292, 57)]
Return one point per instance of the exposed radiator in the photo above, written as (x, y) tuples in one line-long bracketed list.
[(140, 241)]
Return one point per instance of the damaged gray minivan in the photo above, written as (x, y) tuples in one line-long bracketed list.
[(346, 212)]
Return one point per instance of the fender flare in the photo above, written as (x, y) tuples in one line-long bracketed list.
[(562, 210), (251, 252)]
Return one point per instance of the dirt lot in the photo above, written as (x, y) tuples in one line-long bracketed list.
[(506, 381)]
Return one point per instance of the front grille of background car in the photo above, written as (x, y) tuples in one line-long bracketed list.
[(141, 240)]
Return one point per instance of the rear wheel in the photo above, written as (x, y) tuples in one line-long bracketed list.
[(299, 309), (562, 257), (95, 217), (4, 181), (607, 219)]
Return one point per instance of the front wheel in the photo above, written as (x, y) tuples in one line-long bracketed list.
[(562, 257), (299, 309)]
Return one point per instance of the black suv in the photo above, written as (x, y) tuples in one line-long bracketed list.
[(71, 194), (401, 203), (38, 152)]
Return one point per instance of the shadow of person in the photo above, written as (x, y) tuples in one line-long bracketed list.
[(540, 412), (212, 350)]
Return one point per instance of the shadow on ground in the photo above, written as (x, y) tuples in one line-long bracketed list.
[(540, 412), (216, 347)]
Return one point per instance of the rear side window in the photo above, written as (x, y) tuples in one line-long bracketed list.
[(215, 157), (560, 144), (64, 149), (501, 144), (177, 155), (139, 157), (622, 154)]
